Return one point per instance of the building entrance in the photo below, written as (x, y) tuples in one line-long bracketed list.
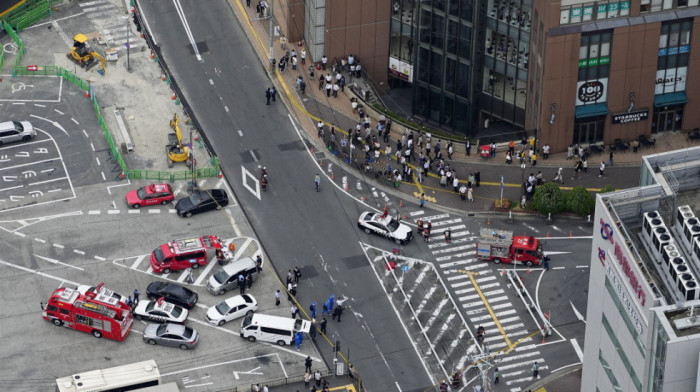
[(667, 118), (588, 130)]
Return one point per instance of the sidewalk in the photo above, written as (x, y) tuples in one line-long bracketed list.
[(315, 105)]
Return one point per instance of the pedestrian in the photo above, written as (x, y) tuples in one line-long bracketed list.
[(470, 194), (326, 308), (190, 275), (256, 388), (303, 57), (602, 169), (545, 151), (297, 274), (535, 370), (545, 263), (294, 311), (317, 377), (450, 150), (523, 202), (294, 63), (351, 373), (277, 298), (298, 339), (136, 296), (324, 322), (241, 285), (247, 3), (448, 235), (611, 162), (534, 159), (267, 96), (493, 150), (463, 192), (437, 147), (331, 301), (559, 176), (426, 234), (302, 87), (496, 376), (307, 377), (312, 308), (455, 184), (258, 263), (635, 145), (338, 311), (130, 303), (290, 287), (324, 60), (469, 147), (312, 330), (319, 128), (477, 178), (511, 147), (249, 280), (584, 162), (570, 152), (329, 89), (335, 90)]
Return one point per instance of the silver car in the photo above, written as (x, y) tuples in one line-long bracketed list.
[(14, 131), (174, 335)]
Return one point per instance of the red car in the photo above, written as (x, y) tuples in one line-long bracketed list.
[(150, 195)]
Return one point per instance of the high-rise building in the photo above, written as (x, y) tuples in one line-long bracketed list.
[(569, 72), (642, 324)]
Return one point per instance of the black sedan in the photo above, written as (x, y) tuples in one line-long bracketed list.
[(201, 201), (173, 293)]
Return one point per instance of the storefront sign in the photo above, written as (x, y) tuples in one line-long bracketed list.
[(624, 118), (592, 91), (593, 62), (401, 69), (670, 80), (624, 264), (624, 299)]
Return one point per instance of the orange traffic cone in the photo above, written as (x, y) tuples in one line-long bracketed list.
[(87, 94), (347, 187), (528, 270), (299, 44), (153, 54), (400, 203), (332, 175), (220, 174), (571, 233), (488, 221), (162, 77), (320, 162), (196, 137), (123, 175), (547, 234), (504, 271), (173, 97), (363, 198)]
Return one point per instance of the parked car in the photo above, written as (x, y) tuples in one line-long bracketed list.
[(173, 293), (201, 201), (160, 311), (231, 309), (150, 195), (14, 131), (386, 226), (174, 335)]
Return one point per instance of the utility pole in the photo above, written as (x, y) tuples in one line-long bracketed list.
[(272, 33), (127, 43)]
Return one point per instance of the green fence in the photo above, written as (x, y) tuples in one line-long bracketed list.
[(20, 46), (29, 13), (2, 55)]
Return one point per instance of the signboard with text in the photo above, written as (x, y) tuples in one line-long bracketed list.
[(591, 91), (401, 69), (624, 118), (670, 80)]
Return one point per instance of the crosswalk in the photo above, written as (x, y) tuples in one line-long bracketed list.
[(110, 22), (499, 318), (244, 247)]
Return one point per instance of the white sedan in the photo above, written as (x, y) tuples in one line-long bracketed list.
[(385, 225), (231, 309), (160, 312)]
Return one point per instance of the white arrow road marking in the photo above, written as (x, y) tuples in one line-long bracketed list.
[(41, 150), (245, 174), (22, 154), (28, 173), (252, 371), (9, 178), (578, 314), (57, 262), (16, 198)]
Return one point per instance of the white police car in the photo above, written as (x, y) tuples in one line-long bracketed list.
[(372, 222), (160, 311)]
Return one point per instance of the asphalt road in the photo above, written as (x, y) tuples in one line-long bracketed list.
[(296, 225)]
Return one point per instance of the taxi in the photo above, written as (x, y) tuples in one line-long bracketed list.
[(150, 195), (160, 311), (385, 226)]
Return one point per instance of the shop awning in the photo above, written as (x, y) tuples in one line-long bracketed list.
[(598, 109), (670, 99)]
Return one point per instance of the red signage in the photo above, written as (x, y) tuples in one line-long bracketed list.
[(32, 67), (606, 233)]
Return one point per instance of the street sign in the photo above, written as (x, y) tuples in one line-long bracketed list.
[(32, 67), (501, 182), (404, 268)]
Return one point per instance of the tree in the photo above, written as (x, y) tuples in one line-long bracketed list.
[(580, 201), (607, 188), (549, 199)]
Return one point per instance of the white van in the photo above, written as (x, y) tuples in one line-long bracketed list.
[(272, 329), (226, 279)]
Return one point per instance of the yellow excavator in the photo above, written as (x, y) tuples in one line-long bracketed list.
[(82, 54), (177, 152)]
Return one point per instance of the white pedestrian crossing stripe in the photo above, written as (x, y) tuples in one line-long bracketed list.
[(459, 256)]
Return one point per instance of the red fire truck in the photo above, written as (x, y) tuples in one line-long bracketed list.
[(183, 254), (501, 246), (93, 312)]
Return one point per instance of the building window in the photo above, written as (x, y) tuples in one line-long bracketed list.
[(585, 12), (609, 372), (658, 354), (625, 317), (621, 353), (674, 54)]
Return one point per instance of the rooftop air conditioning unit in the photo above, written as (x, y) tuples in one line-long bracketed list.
[(684, 213), (691, 230), (688, 286), (678, 268), (662, 237), (670, 252), (651, 221), (695, 253)]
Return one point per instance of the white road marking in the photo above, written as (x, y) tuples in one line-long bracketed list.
[(577, 348), (245, 174), (39, 273), (80, 252), (113, 212), (138, 261), (40, 240), (39, 105), (86, 135), (75, 121), (59, 246), (132, 211), (98, 161), (153, 211), (99, 258), (94, 212), (240, 133), (54, 261)]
